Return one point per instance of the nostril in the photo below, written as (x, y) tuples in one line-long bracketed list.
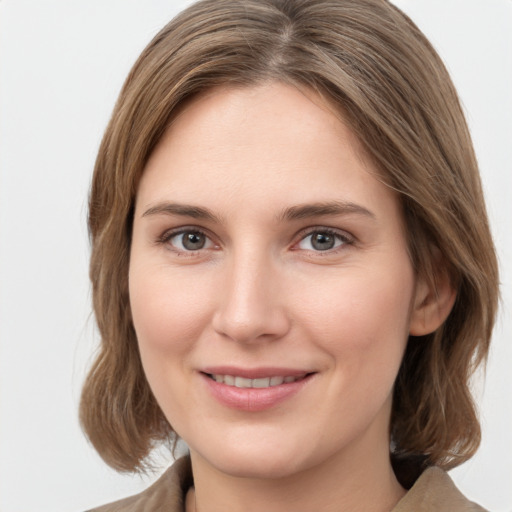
[(262, 324)]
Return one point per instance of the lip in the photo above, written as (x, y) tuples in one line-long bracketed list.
[(254, 399), (255, 373)]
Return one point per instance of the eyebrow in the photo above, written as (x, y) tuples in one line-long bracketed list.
[(332, 208), (325, 208), (185, 210)]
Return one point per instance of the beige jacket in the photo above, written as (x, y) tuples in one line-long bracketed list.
[(434, 491)]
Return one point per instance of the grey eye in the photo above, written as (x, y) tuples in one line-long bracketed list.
[(321, 241), (193, 241), (190, 241)]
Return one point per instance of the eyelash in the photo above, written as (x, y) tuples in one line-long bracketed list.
[(343, 237), (339, 236), (167, 236)]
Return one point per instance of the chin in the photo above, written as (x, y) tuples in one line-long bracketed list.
[(258, 462), (262, 467)]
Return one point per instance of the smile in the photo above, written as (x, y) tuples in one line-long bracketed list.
[(264, 382), (254, 390)]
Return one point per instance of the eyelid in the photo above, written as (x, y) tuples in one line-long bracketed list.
[(347, 238), (168, 234)]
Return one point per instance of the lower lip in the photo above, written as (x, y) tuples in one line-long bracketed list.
[(254, 399)]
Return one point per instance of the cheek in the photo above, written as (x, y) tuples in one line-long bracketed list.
[(168, 315), (364, 320), (167, 311)]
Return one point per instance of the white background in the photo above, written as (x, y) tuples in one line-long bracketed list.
[(62, 63)]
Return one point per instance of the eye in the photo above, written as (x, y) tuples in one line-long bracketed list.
[(323, 240), (188, 241)]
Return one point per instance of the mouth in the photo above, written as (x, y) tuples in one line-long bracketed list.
[(259, 383), (255, 389)]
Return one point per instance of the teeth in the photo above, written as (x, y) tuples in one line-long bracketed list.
[(276, 381), (265, 382), (242, 382), (261, 383)]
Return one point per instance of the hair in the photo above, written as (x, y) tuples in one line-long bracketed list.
[(378, 70)]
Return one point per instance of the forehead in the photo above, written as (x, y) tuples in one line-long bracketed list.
[(268, 143), (230, 116)]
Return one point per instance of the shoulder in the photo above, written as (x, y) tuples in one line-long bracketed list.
[(167, 493), (435, 491)]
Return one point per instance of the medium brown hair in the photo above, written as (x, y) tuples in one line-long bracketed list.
[(375, 66)]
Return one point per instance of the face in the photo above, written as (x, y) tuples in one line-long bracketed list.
[(270, 284)]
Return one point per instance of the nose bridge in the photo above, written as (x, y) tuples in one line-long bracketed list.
[(250, 305)]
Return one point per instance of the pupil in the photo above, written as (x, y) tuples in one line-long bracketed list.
[(322, 241), (193, 241)]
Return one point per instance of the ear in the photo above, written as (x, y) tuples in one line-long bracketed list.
[(433, 302)]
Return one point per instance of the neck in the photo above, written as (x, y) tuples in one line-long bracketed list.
[(350, 481)]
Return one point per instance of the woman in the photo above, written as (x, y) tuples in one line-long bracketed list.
[(292, 267)]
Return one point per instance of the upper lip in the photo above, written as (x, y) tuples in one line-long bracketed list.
[(255, 373)]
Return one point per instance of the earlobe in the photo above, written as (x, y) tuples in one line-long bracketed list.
[(432, 304)]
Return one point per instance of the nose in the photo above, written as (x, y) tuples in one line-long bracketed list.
[(250, 305)]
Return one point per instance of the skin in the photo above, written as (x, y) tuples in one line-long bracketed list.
[(259, 293)]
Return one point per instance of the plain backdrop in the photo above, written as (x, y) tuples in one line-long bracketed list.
[(62, 63)]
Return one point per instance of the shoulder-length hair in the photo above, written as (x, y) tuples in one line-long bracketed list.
[(384, 78)]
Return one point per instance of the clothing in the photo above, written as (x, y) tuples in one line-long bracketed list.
[(167, 494), (434, 491)]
